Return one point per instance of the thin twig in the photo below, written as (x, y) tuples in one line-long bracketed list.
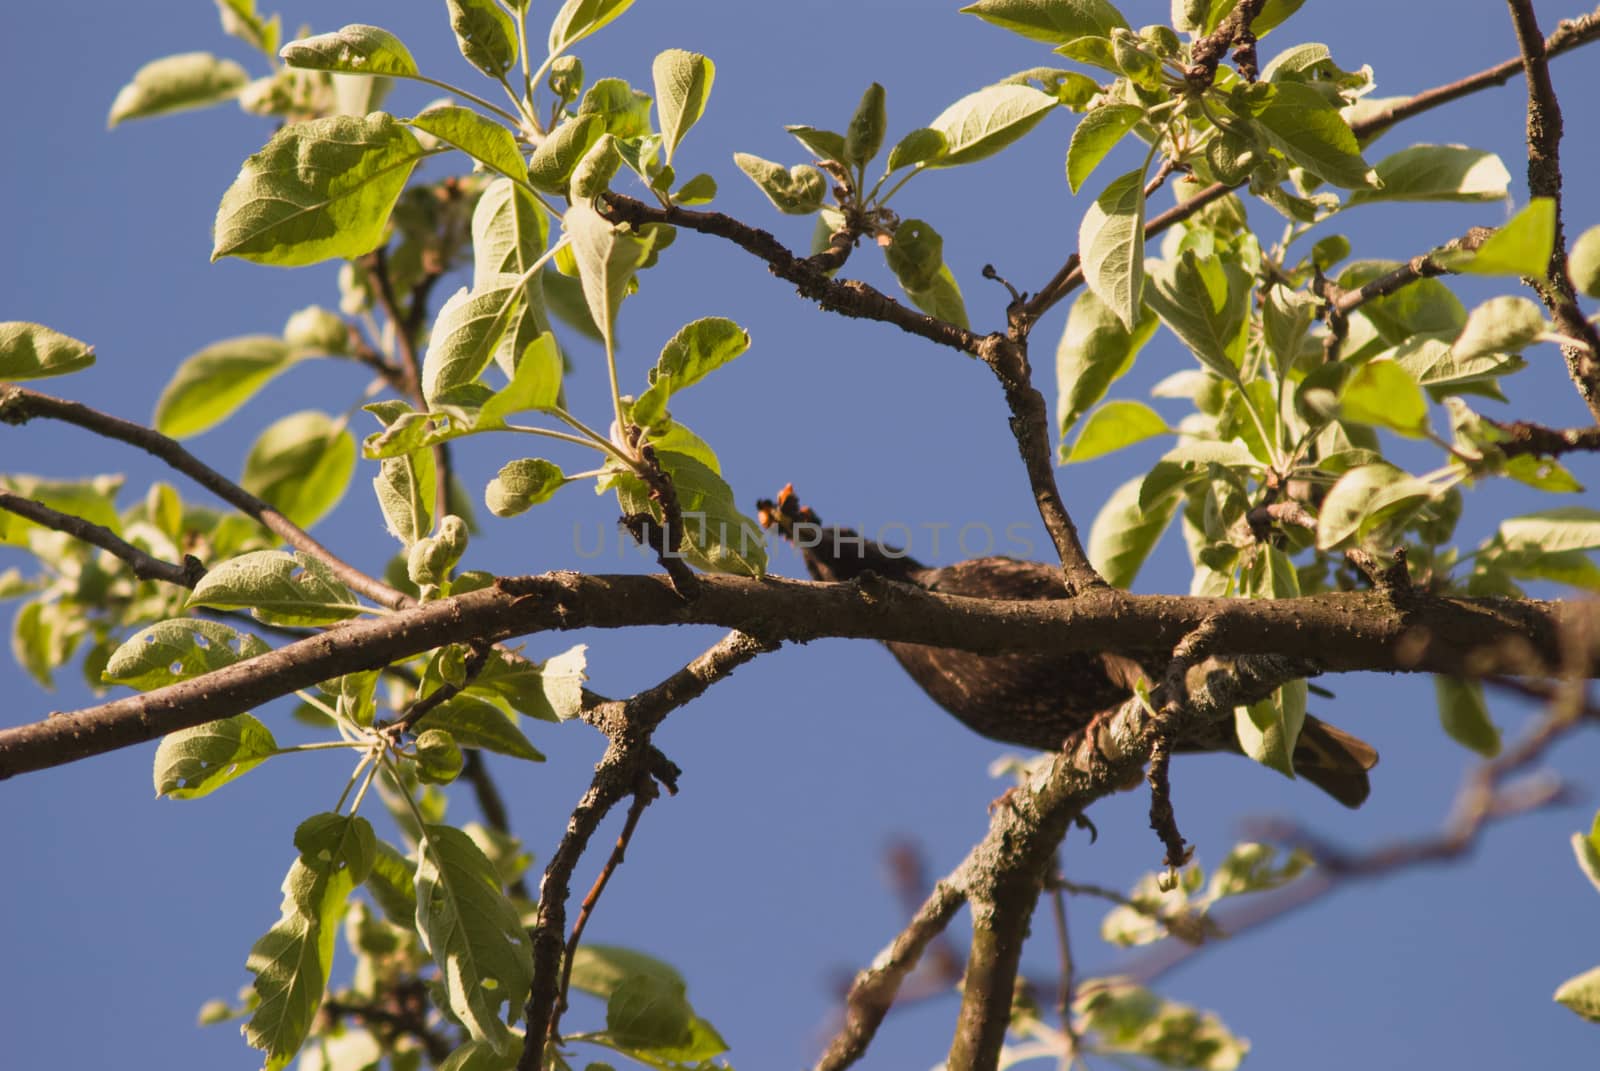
[(145, 566), (18, 405), (1523, 437)]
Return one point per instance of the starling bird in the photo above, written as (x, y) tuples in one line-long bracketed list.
[(1031, 698)]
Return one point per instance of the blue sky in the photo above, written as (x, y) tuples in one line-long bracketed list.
[(763, 881)]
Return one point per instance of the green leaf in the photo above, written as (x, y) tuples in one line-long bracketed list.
[(473, 934), (315, 329), (1581, 994), (607, 259), (549, 691), (292, 960), (699, 190), (864, 136), (1124, 1017), (593, 174), (1583, 262), (1095, 135), (683, 83), (1302, 125), (1499, 325), (1113, 426), (466, 334), (178, 650), (239, 18), (482, 139), (1206, 303), (1587, 849), (648, 1012), (1438, 173), (211, 384), (475, 722), (278, 588), (522, 484), (578, 19), (536, 384), (318, 190), (823, 144), (392, 883), (625, 109), (716, 536), (797, 191), (1383, 392), (1095, 350), (698, 349), (1465, 716), (1522, 247), (1111, 237), (34, 351), (1052, 21), (1268, 730), (1188, 460), (921, 146), (509, 232), (405, 489), (941, 298), (1123, 535), (191, 763), (982, 123), (1435, 366), (93, 499), (439, 759), (175, 84), (485, 34), (301, 465), (355, 49), (1552, 530), (550, 167), (1362, 497)]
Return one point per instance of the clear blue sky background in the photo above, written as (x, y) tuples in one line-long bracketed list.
[(120, 914)]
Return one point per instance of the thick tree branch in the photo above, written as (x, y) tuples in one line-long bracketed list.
[(1337, 632), (145, 566), (1544, 180), (19, 405)]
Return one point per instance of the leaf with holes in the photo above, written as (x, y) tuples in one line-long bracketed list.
[(278, 588), (191, 763), (178, 650)]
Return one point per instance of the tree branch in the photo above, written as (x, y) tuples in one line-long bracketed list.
[(1337, 632), (1525, 438), (145, 566), (19, 405), (1544, 180)]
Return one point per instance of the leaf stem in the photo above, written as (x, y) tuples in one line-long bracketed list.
[(514, 120)]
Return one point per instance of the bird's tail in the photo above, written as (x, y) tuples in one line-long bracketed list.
[(1334, 761)]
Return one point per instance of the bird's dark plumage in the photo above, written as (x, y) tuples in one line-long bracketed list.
[(1030, 698)]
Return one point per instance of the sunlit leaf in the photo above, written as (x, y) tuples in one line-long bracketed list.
[(175, 84), (34, 351)]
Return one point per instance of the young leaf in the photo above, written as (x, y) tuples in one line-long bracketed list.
[(683, 83), (698, 349), (535, 384), (1438, 173), (1113, 426), (1521, 247), (982, 123), (1581, 994), (466, 334), (607, 259), (1465, 716), (509, 232), (211, 384), (239, 18), (1360, 498), (592, 175), (1123, 535), (941, 298), (1111, 237), (278, 588), (921, 146), (1095, 350), (1054, 22), (625, 109), (578, 19), (798, 191), (34, 351), (1500, 325), (716, 536), (482, 139), (522, 484), (1268, 730), (550, 167), (1206, 303), (475, 722), (549, 691), (485, 34), (405, 489), (1552, 530), (195, 762), (1382, 392), (1583, 262), (1095, 135), (1302, 125), (175, 84), (178, 650), (355, 49), (319, 189), (473, 934), (301, 465), (864, 136)]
